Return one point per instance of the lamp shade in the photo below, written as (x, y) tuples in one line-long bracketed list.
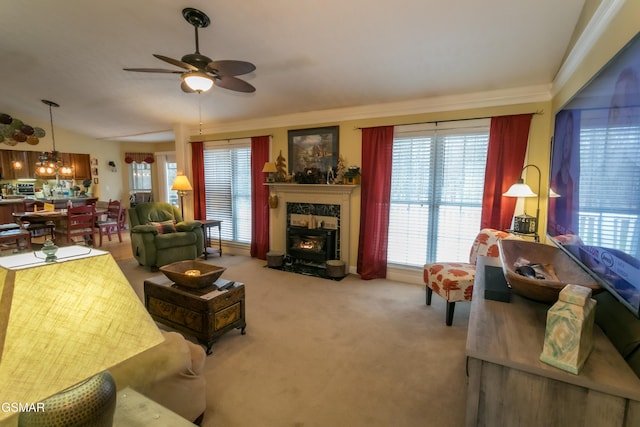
[(181, 183), (519, 189), (269, 167), (64, 322), (197, 81)]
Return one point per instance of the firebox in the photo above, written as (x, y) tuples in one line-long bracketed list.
[(311, 245)]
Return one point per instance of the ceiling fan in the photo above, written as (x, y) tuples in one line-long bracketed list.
[(201, 71)]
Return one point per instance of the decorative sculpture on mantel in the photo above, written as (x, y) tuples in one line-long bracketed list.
[(281, 168), (340, 170)]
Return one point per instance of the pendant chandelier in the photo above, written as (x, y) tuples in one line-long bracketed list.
[(49, 162)]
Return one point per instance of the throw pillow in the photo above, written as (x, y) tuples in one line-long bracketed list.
[(164, 226)]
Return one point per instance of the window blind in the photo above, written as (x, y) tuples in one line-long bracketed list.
[(436, 191), (228, 188), (140, 177)]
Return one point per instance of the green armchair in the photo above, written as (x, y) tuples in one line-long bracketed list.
[(159, 236)]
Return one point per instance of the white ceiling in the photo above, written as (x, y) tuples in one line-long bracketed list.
[(310, 55)]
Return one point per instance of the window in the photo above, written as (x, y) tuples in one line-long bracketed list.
[(140, 177), (227, 177), (437, 185), (170, 173)]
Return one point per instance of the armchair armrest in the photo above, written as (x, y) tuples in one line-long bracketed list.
[(188, 225), (144, 228)]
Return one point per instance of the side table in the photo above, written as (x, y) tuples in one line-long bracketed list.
[(207, 225), (205, 313)]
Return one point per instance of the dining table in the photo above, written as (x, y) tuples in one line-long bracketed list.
[(53, 217)]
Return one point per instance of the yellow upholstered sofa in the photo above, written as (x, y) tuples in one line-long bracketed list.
[(172, 374)]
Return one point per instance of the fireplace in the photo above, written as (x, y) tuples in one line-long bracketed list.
[(319, 207), (311, 245)]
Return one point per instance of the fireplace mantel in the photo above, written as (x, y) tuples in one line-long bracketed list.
[(336, 194), (312, 188)]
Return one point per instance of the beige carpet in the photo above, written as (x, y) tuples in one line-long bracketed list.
[(320, 353)]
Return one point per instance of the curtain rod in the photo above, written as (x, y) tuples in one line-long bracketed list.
[(452, 120), (227, 139)]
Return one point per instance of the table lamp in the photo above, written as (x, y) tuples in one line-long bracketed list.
[(183, 186), (62, 325), (271, 169), (524, 223)]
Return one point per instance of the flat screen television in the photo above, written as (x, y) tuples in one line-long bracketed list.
[(595, 170)]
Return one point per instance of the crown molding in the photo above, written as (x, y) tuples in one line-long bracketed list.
[(528, 94), (594, 30)]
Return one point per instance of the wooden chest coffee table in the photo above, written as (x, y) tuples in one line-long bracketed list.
[(205, 313)]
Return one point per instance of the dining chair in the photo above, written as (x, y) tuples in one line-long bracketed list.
[(80, 222), (37, 228), (114, 221)]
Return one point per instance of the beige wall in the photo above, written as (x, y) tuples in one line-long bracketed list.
[(350, 146)]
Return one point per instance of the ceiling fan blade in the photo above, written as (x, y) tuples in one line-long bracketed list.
[(185, 87), (176, 62), (230, 67), (153, 70), (233, 83)]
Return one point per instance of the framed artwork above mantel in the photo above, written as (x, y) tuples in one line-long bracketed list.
[(313, 150)]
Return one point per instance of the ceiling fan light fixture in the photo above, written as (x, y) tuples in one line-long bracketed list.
[(198, 81)]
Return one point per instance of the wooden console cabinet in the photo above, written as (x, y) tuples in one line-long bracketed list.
[(206, 313), (509, 386)]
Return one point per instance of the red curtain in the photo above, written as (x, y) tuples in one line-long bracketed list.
[(197, 166), (377, 151), (508, 137), (259, 198)]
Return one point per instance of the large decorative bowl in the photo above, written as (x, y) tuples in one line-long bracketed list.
[(177, 272), (565, 268)]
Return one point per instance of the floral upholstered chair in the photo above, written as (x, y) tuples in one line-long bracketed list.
[(453, 281)]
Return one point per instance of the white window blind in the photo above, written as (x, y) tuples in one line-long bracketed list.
[(140, 177), (436, 191), (609, 198), (227, 176)]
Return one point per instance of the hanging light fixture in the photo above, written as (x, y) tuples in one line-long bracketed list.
[(197, 81), (49, 162)]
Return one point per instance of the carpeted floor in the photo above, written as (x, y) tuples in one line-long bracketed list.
[(322, 353)]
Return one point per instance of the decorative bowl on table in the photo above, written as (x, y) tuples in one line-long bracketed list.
[(515, 253), (192, 274)]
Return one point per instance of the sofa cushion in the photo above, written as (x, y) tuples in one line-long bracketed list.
[(164, 227)]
